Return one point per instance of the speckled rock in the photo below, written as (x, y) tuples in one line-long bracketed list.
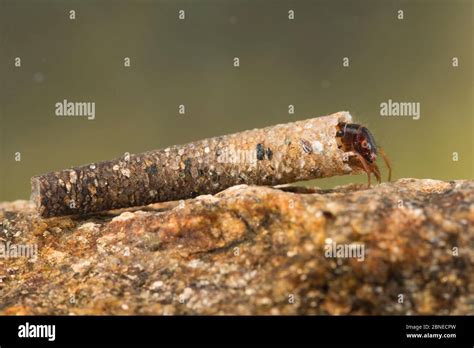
[(250, 250)]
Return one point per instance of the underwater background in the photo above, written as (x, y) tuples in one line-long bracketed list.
[(191, 62)]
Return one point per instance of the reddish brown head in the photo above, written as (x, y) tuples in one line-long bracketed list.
[(357, 139), (354, 137)]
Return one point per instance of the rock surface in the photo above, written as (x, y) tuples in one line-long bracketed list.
[(251, 250)]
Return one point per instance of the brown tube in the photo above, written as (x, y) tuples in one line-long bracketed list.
[(274, 155)]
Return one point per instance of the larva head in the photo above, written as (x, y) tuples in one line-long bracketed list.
[(366, 145), (354, 137)]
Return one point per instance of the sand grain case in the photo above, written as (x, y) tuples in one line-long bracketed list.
[(279, 154)]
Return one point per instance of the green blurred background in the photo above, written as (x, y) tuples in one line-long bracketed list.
[(190, 62)]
